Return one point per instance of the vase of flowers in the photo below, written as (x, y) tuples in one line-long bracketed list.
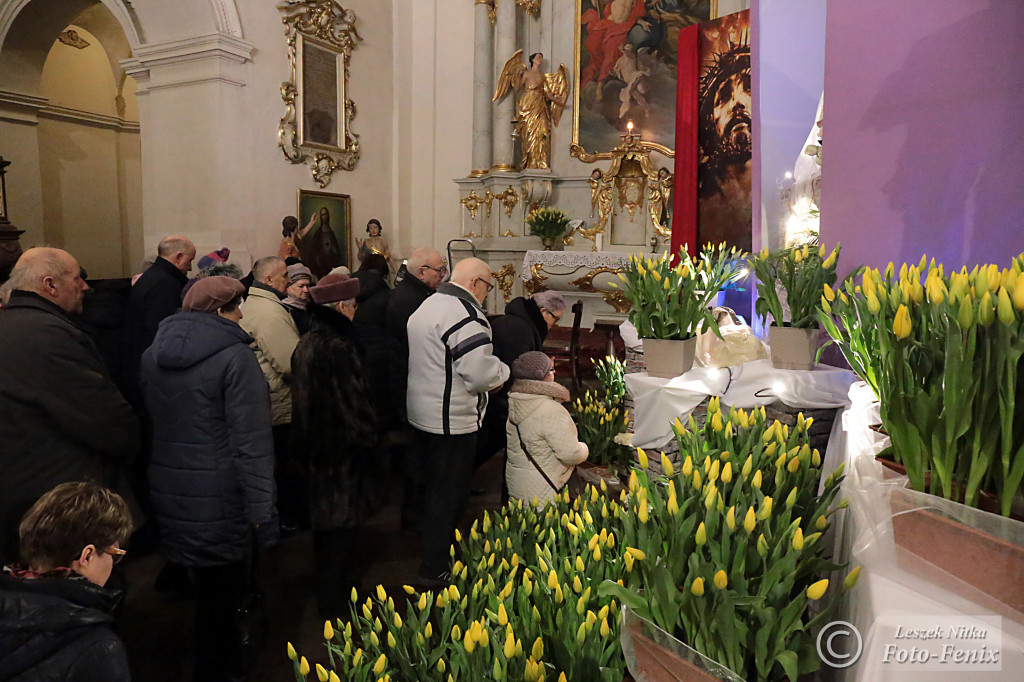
[(672, 303), (549, 224), (801, 273)]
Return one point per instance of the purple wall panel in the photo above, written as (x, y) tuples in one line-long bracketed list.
[(924, 130)]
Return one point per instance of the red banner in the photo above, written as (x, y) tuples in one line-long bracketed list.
[(684, 205)]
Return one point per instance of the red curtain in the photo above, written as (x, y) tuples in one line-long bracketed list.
[(684, 205)]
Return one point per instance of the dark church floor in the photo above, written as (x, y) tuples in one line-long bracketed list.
[(157, 629)]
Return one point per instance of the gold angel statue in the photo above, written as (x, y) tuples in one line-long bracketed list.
[(541, 101)]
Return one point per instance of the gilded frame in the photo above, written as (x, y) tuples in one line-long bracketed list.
[(316, 127), (309, 204), (576, 149)]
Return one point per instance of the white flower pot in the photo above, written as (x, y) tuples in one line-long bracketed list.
[(793, 348), (668, 358)]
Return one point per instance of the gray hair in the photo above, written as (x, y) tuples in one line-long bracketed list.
[(5, 293), (221, 270), (551, 300), (37, 264), (263, 266)]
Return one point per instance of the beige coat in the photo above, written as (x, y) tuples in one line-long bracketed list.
[(550, 436), (275, 336)]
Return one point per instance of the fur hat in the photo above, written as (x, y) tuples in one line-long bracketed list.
[(334, 288), (299, 271), (210, 294), (532, 365)]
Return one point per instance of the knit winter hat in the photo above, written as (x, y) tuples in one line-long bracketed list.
[(210, 294), (532, 365), (219, 256), (299, 271), (333, 288)]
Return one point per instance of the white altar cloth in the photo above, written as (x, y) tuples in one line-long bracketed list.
[(657, 402)]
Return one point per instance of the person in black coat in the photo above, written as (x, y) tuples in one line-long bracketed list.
[(155, 296), (212, 471), (425, 270), (335, 432), (371, 325), (522, 329), (63, 419), (55, 621)]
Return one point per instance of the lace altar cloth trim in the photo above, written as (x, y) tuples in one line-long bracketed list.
[(572, 259)]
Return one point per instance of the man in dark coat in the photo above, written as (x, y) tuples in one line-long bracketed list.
[(61, 416), (155, 296), (522, 329), (212, 472), (55, 621), (371, 325), (425, 270)]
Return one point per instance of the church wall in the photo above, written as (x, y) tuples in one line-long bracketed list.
[(922, 143)]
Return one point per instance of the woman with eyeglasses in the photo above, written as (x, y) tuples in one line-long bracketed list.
[(55, 621)]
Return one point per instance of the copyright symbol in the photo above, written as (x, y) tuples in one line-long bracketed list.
[(839, 644)]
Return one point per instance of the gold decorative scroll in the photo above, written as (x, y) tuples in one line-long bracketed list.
[(586, 282), (492, 11), (509, 198), (617, 300), (505, 278), (530, 6), (473, 201), (325, 26), (536, 281)]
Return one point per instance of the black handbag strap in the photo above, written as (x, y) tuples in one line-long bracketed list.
[(532, 460)]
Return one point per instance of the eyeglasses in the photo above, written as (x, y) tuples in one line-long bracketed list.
[(490, 287), (117, 553), (443, 270), (554, 317)]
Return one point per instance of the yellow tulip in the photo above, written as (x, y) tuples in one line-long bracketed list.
[(817, 590), (502, 615), (831, 260), (633, 482), (851, 578), (727, 472), (716, 422), (798, 256), (666, 465), (798, 539), (766, 509), (672, 506), (642, 457), (1005, 308), (1018, 293), (762, 545), (901, 325), (986, 311), (697, 588), (702, 535), (291, 652), (756, 482), (328, 630), (303, 667), (381, 594), (730, 518), (829, 294), (873, 304), (750, 520), (696, 480), (333, 677), (687, 466), (721, 580)]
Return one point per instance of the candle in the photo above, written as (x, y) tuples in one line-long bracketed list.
[(629, 127)]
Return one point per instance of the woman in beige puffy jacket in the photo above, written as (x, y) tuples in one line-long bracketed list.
[(537, 420)]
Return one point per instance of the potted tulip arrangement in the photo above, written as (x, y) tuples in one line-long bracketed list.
[(672, 303), (549, 224), (943, 354), (735, 557), (600, 418), (801, 272), (535, 593)]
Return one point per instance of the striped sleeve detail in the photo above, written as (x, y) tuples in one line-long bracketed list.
[(469, 345)]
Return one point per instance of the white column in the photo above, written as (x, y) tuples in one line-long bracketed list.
[(483, 87), (504, 111)]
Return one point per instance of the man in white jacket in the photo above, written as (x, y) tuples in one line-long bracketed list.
[(452, 368)]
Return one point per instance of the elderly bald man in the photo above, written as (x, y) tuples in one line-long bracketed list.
[(61, 417), (452, 368)]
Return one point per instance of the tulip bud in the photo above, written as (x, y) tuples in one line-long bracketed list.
[(798, 539), (851, 578), (687, 466), (766, 509), (1018, 292), (1005, 308), (756, 482), (702, 535), (901, 325), (696, 480), (986, 310), (697, 588), (817, 590), (333, 677), (303, 667), (666, 464), (291, 652), (721, 580), (642, 457)]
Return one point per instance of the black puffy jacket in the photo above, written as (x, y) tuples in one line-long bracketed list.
[(212, 471), (58, 630), (405, 299), (371, 325)]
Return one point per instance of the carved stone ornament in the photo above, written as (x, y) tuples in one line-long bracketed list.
[(530, 6), (71, 37), (316, 126)]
